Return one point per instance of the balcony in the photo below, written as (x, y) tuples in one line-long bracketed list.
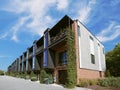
[(30, 55), (58, 37), (39, 48)]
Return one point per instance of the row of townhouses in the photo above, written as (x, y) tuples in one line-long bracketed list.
[(50, 53)]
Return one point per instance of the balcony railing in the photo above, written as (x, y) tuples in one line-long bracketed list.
[(58, 37), (25, 58), (30, 55), (39, 48)]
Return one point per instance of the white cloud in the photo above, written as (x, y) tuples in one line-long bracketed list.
[(3, 35), (4, 56), (15, 28), (85, 11), (36, 11), (114, 2), (62, 4), (110, 33)]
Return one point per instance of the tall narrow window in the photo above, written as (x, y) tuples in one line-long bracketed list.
[(103, 51), (92, 59), (63, 58), (78, 30), (99, 58), (92, 53), (91, 45)]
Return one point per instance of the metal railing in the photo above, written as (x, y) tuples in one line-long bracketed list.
[(39, 48), (58, 37)]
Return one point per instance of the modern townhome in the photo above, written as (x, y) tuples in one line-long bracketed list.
[(50, 53)]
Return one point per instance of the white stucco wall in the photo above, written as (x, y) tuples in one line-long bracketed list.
[(85, 50)]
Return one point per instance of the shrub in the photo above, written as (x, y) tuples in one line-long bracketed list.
[(107, 73), (103, 82), (87, 82), (109, 82), (27, 77), (11, 74), (93, 82), (44, 76), (50, 79), (83, 83), (33, 77), (1, 72)]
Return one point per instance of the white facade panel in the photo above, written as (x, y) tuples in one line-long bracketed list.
[(88, 46), (99, 57), (79, 52), (91, 46)]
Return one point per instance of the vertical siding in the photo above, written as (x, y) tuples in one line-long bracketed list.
[(85, 51)]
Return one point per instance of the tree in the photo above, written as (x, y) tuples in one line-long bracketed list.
[(1, 72), (113, 61)]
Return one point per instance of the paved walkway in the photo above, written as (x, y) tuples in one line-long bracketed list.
[(11, 83)]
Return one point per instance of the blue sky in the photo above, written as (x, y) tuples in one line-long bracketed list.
[(23, 21)]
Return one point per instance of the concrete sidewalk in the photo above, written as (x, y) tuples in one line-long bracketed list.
[(12, 83)]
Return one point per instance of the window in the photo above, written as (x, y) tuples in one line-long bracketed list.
[(92, 59), (92, 52), (78, 30), (63, 58), (91, 38), (103, 51), (91, 45)]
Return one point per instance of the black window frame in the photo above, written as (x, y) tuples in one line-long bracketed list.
[(92, 58), (62, 58)]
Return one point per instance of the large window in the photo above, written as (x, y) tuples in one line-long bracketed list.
[(92, 52), (63, 58), (92, 59)]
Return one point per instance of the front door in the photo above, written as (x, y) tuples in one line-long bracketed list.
[(62, 75)]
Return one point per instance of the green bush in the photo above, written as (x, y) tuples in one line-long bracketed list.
[(109, 82), (1, 72), (83, 83), (106, 82), (34, 79), (27, 77), (43, 76), (107, 73), (33, 76), (10, 74), (87, 82), (93, 82)]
